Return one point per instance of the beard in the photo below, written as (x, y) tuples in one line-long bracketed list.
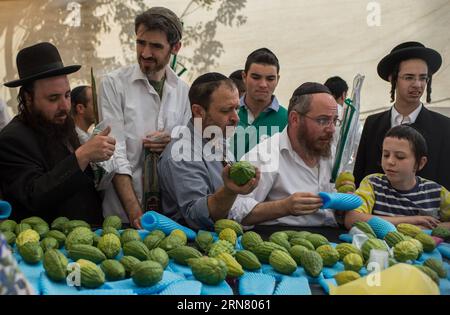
[(311, 145), (156, 67), (52, 136)]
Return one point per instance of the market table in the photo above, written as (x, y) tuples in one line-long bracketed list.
[(36, 275), (332, 234)]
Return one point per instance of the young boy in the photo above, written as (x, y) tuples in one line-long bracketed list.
[(398, 195)]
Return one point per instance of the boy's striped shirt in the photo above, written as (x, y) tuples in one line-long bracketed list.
[(426, 198)]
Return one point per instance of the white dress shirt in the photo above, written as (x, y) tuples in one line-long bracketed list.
[(398, 119), (133, 108), (283, 172)]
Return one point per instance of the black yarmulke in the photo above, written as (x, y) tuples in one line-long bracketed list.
[(311, 88), (209, 77)]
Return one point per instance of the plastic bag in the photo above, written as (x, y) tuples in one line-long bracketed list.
[(103, 171), (349, 134), (400, 279)]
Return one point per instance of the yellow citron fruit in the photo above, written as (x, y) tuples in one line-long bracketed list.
[(27, 236), (180, 234)]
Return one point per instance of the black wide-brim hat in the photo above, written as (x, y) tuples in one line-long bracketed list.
[(405, 51), (39, 61)]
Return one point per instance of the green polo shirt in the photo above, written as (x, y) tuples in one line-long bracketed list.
[(269, 122)]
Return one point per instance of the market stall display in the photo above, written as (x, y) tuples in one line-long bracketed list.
[(227, 261)]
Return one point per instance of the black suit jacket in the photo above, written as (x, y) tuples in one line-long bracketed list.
[(33, 187), (434, 127)]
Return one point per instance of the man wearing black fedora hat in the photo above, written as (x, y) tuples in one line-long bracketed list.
[(409, 68), (44, 169)]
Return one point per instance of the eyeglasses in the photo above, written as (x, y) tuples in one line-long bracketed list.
[(411, 78), (325, 122)]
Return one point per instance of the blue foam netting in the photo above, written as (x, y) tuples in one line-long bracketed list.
[(256, 284), (5, 210), (186, 271), (32, 273), (222, 288), (325, 284), (106, 292), (330, 272), (346, 238), (183, 287), (119, 255), (64, 252), (152, 220), (300, 272), (143, 233), (447, 267), (444, 286), (170, 269), (363, 272), (16, 254), (381, 227), (434, 254), (340, 201), (215, 236), (444, 249), (128, 284), (49, 287), (239, 244), (293, 286), (268, 270), (315, 280)]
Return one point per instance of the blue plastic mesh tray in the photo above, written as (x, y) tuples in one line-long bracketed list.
[(444, 249), (186, 271), (184, 287), (330, 272), (256, 284), (346, 238), (268, 270), (436, 254), (33, 274), (106, 292), (49, 287), (325, 284), (222, 288), (444, 286), (293, 286), (128, 284)]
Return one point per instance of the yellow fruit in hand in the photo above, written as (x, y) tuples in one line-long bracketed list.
[(345, 182)]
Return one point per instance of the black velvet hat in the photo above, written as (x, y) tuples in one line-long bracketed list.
[(38, 62), (405, 51)]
